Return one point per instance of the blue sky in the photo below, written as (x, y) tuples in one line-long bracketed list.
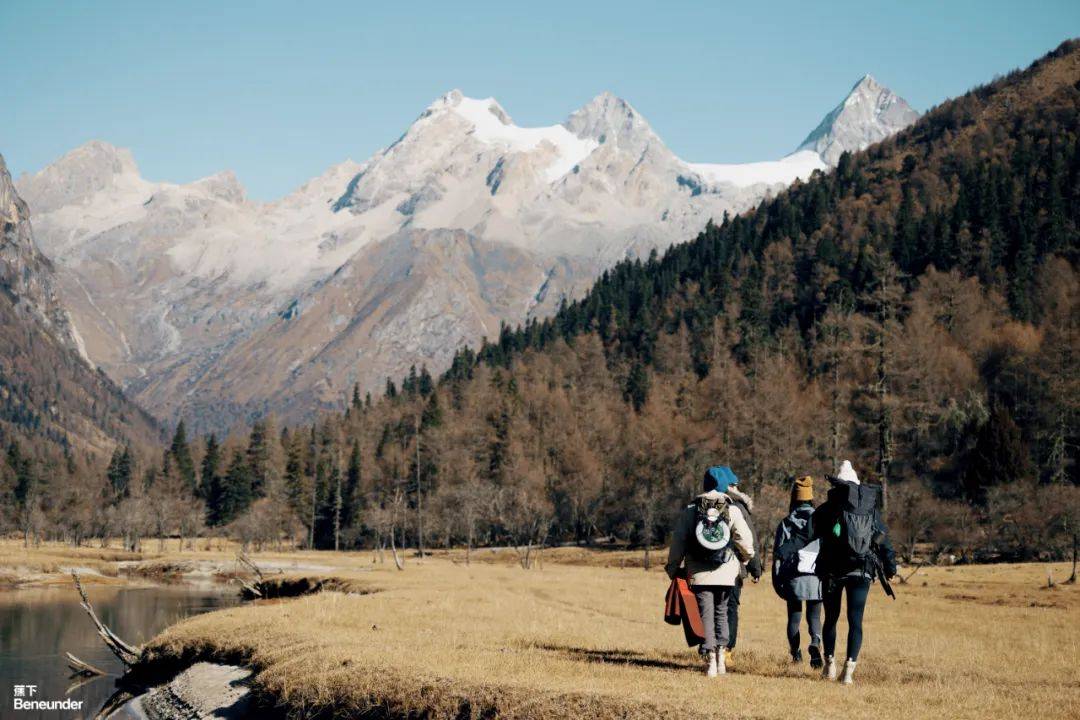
[(278, 91)]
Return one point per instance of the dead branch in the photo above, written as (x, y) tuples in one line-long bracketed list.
[(243, 559), (903, 580), (79, 681), (248, 589), (126, 653), (114, 703), (81, 667)]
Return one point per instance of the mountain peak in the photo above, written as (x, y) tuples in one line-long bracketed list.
[(868, 114), (77, 174), (608, 118), (472, 109), (223, 185)]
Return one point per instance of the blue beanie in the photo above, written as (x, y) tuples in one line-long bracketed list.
[(719, 477)]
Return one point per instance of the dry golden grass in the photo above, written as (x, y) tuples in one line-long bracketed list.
[(445, 640)]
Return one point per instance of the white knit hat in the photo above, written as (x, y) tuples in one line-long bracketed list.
[(847, 472)]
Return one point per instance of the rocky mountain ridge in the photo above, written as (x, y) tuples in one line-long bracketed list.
[(209, 306)]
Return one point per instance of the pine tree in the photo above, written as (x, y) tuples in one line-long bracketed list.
[(353, 484), (181, 457), (236, 490), (119, 472), (636, 391), (210, 475), (426, 385), (258, 457), (999, 455)]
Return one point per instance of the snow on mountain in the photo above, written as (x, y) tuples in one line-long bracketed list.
[(870, 113), (213, 307), (799, 165)]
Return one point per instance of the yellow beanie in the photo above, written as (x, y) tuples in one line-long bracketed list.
[(804, 488)]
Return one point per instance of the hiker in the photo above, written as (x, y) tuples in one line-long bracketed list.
[(794, 558), (713, 539), (855, 549), (746, 505)]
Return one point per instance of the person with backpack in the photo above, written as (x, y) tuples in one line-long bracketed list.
[(855, 549), (794, 558), (713, 539), (753, 568)]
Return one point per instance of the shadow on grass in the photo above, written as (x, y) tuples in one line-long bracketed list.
[(623, 657)]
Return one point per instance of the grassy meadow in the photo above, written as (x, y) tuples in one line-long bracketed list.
[(581, 635), (566, 640)]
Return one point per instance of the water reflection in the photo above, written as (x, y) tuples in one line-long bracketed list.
[(38, 625)]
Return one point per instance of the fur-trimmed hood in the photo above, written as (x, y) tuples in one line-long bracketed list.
[(736, 494)]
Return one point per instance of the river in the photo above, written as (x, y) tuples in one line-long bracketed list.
[(38, 625)]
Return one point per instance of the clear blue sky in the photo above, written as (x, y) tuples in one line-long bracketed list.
[(278, 91)]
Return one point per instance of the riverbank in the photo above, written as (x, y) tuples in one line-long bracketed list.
[(445, 640)]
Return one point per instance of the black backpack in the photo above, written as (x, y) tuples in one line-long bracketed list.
[(848, 536)]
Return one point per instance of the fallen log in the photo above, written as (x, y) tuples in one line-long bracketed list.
[(124, 652)]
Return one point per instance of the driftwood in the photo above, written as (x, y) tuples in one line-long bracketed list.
[(82, 668), (127, 654), (114, 703), (252, 590)]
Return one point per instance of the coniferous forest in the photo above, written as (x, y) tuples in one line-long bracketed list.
[(914, 311)]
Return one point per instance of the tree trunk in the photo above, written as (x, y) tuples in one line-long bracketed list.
[(314, 508), (1072, 578), (398, 561), (419, 499), (337, 513)]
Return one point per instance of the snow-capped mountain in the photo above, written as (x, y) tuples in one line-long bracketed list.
[(870, 113), (210, 306)]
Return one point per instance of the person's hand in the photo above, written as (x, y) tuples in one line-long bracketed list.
[(754, 568)]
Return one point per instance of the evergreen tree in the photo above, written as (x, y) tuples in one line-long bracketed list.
[(351, 494), (636, 390), (258, 457), (210, 472), (425, 384), (999, 455), (119, 472), (181, 457), (236, 490)]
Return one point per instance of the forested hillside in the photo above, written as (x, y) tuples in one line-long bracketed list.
[(59, 417), (915, 311)]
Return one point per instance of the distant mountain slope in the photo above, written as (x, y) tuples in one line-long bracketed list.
[(50, 396), (178, 290)]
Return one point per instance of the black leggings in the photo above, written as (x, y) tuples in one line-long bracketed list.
[(857, 590)]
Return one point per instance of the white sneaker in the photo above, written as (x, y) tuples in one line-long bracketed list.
[(712, 670), (828, 671), (721, 662), (849, 671)]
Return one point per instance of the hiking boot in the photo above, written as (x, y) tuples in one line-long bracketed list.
[(815, 657), (721, 661), (796, 656), (729, 657), (828, 671), (712, 670), (849, 671)]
